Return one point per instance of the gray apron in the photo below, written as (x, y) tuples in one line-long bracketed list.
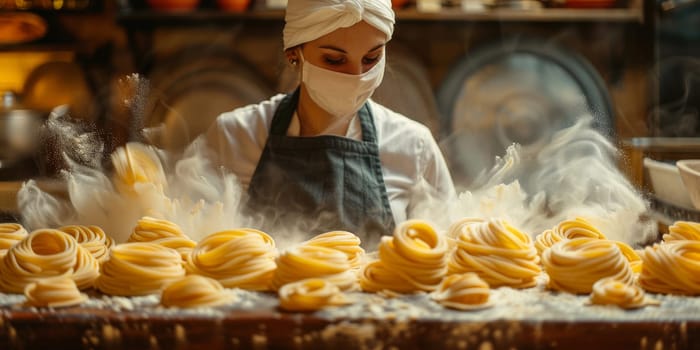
[(323, 183)]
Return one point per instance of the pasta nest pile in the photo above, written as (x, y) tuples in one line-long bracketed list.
[(311, 261), (343, 241), (162, 232), (683, 230), (574, 265), (10, 234), (46, 253), (672, 267), (413, 260), (139, 268), (496, 251), (195, 291), (458, 269), (53, 292), (580, 228), (310, 294), (610, 291), (463, 292), (243, 258), (91, 238), (567, 229)]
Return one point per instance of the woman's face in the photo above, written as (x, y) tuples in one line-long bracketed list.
[(352, 50)]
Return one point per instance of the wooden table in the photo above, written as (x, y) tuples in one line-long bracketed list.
[(530, 319)]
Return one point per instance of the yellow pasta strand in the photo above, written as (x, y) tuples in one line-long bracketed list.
[(310, 295), (46, 253), (499, 253), (672, 268), (91, 238), (195, 291), (609, 291), (242, 258), (86, 270), (182, 245), (139, 268), (632, 257), (568, 229), (149, 229), (414, 259), (463, 292), (375, 276), (309, 261), (460, 226), (10, 234), (343, 241), (136, 163), (53, 292), (163, 232), (683, 230), (575, 265)]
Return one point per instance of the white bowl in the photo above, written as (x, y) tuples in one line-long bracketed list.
[(667, 183), (690, 173)]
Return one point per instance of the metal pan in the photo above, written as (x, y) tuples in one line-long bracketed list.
[(188, 93), (515, 91)]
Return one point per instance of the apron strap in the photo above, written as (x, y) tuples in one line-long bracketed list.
[(284, 113), (369, 132)]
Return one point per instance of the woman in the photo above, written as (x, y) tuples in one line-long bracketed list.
[(326, 157)]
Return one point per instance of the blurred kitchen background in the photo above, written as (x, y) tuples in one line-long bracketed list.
[(480, 74)]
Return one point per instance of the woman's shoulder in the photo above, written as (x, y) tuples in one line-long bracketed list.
[(236, 138), (244, 127), (251, 116)]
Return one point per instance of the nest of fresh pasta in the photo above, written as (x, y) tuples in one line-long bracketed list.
[(457, 269)]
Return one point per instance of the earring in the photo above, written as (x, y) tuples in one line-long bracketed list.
[(293, 61)]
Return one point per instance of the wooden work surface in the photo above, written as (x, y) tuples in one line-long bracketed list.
[(529, 319)]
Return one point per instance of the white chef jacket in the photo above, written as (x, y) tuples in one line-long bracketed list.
[(407, 151)]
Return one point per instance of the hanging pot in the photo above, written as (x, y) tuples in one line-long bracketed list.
[(20, 135)]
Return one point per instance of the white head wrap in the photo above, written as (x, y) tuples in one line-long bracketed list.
[(307, 20)]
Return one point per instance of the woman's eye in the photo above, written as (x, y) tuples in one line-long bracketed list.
[(334, 61), (370, 60)]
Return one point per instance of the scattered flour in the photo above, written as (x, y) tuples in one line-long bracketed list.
[(533, 304)]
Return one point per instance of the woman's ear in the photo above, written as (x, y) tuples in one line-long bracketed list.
[(292, 56)]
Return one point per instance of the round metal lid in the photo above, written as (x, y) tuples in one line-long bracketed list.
[(188, 95), (515, 92)]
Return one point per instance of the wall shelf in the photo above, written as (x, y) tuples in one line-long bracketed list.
[(38, 46), (205, 16), (633, 13)]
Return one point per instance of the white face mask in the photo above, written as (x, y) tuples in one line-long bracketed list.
[(341, 94)]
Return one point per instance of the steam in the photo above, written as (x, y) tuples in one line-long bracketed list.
[(677, 111), (575, 175), (186, 189), (194, 195), (197, 197)]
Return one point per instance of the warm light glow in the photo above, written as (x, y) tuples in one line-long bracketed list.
[(16, 66)]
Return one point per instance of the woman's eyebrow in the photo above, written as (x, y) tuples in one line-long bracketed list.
[(331, 47), (335, 48)]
